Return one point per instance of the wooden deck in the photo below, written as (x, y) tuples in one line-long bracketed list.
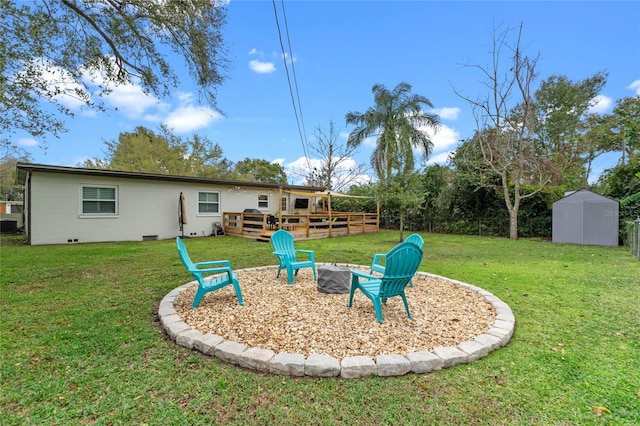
[(303, 227)]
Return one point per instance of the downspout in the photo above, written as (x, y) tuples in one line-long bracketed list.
[(26, 209)]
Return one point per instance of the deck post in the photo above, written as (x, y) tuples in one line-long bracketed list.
[(279, 221), (330, 218)]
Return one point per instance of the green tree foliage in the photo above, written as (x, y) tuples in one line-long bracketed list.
[(401, 196), (623, 184), (399, 125), (437, 183), (475, 204), (561, 107), (627, 127), (11, 155), (260, 171), (59, 51), (148, 152)]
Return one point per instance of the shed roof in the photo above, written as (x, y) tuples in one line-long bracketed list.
[(23, 168), (583, 195)]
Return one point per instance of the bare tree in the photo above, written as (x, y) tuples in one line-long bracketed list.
[(334, 166), (505, 120)]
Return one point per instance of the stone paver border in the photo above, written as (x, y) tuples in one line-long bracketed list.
[(322, 365)]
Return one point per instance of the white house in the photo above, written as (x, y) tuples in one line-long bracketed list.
[(76, 205)]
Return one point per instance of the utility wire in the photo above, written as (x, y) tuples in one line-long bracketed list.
[(293, 69), (284, 58)]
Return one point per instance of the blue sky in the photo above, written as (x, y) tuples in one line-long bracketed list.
[(340, 49)]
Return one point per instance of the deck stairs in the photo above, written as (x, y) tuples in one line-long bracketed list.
[(265, 237)]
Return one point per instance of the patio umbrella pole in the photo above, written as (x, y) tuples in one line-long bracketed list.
[(181, 214)]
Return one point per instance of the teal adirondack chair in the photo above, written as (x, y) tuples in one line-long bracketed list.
[(211, 276), (282, 243), (376, 266), (401, 265)]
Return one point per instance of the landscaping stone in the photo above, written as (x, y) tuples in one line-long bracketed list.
[(165, 309), (175, 328), (392, 365), (229, 351), (187, 338), (287, 364), (423, 362), (450, 356), (502, 334), (256, 359), (165, 320), (474, 350), (207, 343), (507, 325), (489, 340), (321, 365), (357, 366)]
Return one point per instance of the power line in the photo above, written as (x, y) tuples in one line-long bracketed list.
[(293, 69), (301, 129)]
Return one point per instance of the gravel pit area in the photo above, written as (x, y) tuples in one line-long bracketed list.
[(299, 319)]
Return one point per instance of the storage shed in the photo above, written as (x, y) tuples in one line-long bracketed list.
[(584, 217)]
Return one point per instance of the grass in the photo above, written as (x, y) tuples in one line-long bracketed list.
[(80, 342)]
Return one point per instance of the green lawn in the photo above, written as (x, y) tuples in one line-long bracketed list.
[(81, 344)]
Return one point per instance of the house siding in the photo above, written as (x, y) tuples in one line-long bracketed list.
[(146, 208)]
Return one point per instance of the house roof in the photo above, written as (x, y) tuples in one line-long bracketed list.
[(23, 169)]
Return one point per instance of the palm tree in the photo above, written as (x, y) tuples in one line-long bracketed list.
[(400, 125)]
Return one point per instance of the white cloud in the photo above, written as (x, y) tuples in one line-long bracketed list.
[(262, 67), (600, 104), (128, 98), (444, 138), (131, 100), (298, 169), (447, 113), (66, 89), (635, 86), (440, 158), (253, 51), (278, 161), (189, 118), (289, 59), (27, 142)]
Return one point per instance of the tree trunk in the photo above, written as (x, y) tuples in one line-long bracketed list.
[(513, 212), (513, 223), (401, 226)]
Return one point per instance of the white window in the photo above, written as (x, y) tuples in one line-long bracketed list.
[(283, 204), (99, 200), (208, 203), (263, 201)]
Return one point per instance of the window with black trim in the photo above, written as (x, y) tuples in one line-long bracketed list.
[(263, 201), (208, 202), (99, 200)]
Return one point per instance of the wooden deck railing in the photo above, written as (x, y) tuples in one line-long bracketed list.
[(311, 226)]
